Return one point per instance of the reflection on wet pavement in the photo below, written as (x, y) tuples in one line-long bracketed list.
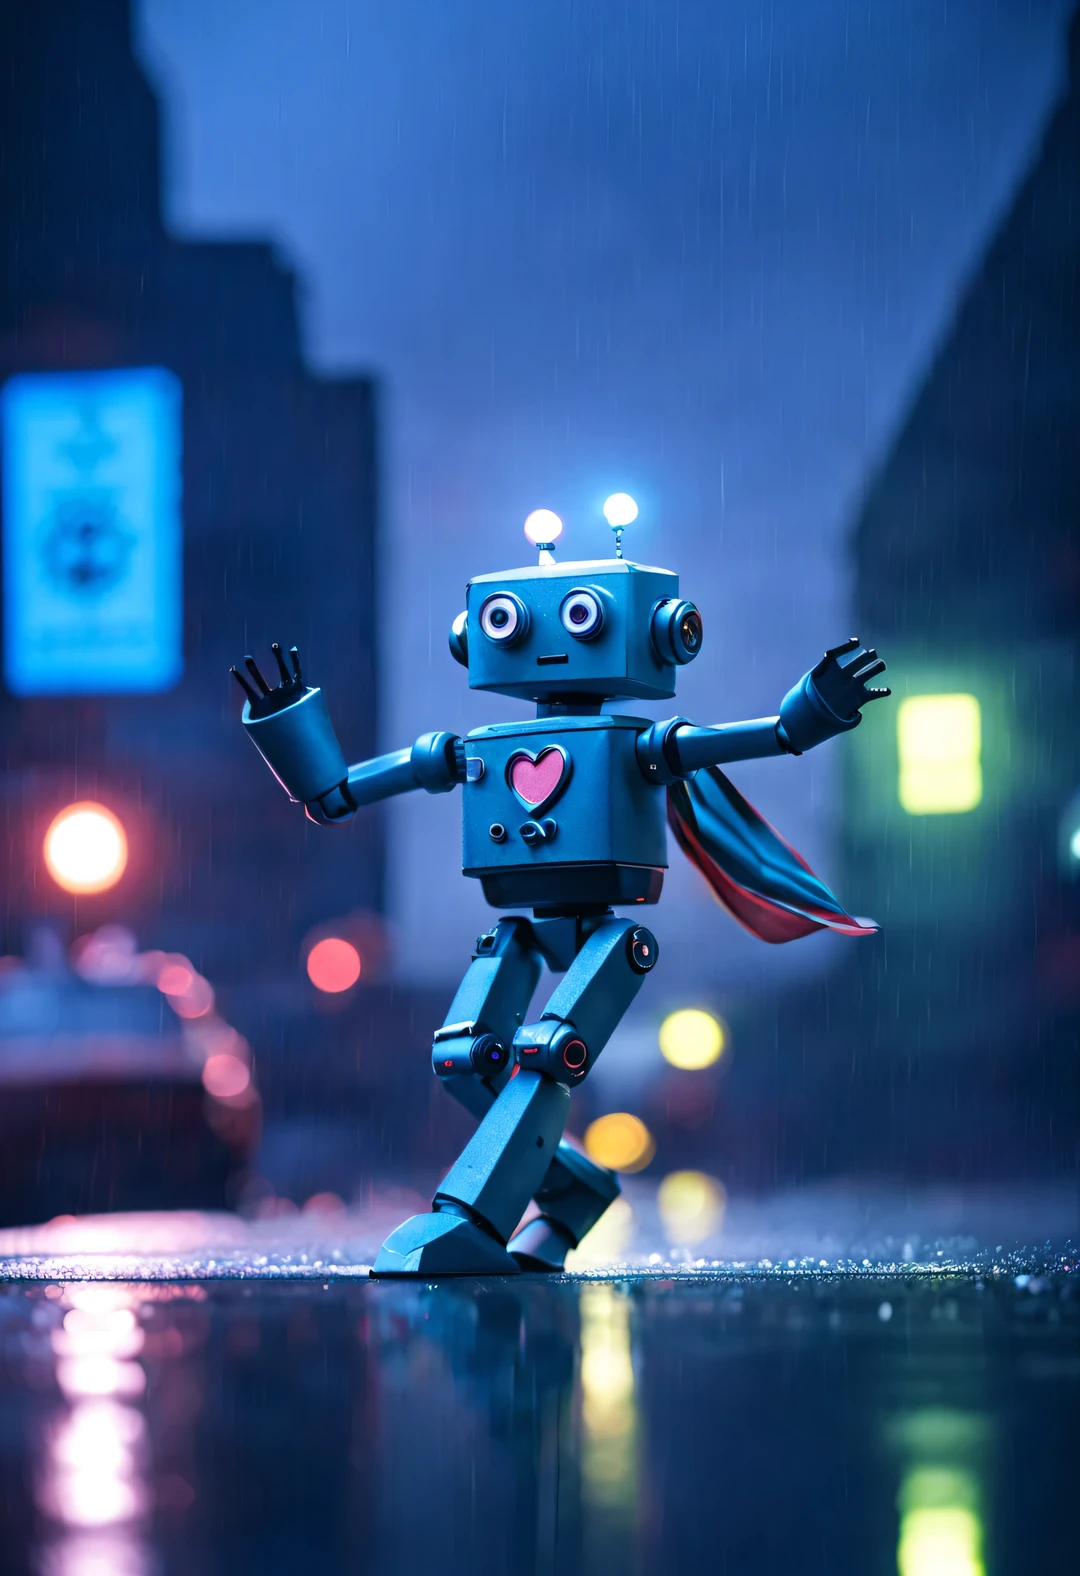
[(777, 1419)]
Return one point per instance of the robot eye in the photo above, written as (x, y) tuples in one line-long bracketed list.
[(582, 614), (503, 618), (676, 630)]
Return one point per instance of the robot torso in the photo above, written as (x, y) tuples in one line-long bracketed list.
[(557, 814)]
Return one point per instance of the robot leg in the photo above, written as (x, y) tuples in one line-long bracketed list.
[(484, 1196), (576, 1024), (472, 1051)]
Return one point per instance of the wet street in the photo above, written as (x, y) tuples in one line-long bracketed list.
[(235, 1411)]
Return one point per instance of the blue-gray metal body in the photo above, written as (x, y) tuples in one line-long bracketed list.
[(545, 661), (603, 826), (564, 814)]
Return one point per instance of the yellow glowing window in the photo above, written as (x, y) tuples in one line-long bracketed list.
[(940, 739)]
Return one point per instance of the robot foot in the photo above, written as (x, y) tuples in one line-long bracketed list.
[(542, 1246), (429, 1246)]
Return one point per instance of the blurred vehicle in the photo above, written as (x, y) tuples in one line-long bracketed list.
[(122, 1088)]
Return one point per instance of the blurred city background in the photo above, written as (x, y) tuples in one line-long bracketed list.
[(304, 308), (302, 313)]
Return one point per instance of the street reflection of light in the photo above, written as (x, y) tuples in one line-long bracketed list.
[(608, 1240), (941, 1496), (225, 1076), (691, 1039), (97, 1297), (92, 1485), (333, 965), (89, 1376), (608, 1405), (95, 1480), (691, 1206), (85, 848), (95, 1345), (116, 1551), (620, 1142), (941, 1532), (940, 747), (87, 1334)]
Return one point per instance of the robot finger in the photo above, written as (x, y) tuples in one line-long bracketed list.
[(249, 663), (294, 658), (286, 676), (244, 685)]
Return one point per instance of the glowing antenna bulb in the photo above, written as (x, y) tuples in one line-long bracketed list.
[(620, 510), (543, 527)]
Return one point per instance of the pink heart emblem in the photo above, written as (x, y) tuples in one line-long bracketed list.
[(538, 779)]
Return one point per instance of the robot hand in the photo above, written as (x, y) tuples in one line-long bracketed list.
[(842, 684), (826, 700), (291, 729), (267, 701)]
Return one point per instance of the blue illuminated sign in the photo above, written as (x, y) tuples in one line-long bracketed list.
[(92, 533)]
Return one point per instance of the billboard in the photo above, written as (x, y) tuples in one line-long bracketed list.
[(92, 537)]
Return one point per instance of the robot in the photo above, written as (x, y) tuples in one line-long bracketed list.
[(564, 815)]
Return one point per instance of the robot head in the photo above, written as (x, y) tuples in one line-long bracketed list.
[(595, 629)]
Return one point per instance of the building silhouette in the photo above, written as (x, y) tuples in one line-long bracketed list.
[(280, 495), (947, 1047)]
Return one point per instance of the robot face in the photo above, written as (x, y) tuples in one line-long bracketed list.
[(599, 629)]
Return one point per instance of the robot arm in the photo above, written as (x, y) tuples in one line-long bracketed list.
[(291, 729), (823, 703)]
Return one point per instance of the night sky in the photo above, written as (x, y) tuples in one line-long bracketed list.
[(699, 252)]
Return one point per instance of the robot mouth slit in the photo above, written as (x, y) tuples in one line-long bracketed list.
[(547, 662)]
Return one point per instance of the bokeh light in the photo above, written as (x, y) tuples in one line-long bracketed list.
[(175, 979), (187, 992), (607, 1242), (620, 1142), (939, 738), (620, 509), (691, 1206), (1074, 845), (543, 526), (333, 965), (85, 848), (225, 1076), (691, 1039)]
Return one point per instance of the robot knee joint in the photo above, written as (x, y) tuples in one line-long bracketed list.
[(554, 1047), (462, 1048)]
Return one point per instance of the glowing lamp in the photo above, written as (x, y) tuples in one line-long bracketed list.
[(620, 510), (691, 1039), (940, 746), (620, 1142), (333, 965), (85, 848), (1074, 845), (543, 528)]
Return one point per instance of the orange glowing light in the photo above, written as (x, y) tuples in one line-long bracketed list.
[(333, 965), (85, 848), (225, 1076)]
